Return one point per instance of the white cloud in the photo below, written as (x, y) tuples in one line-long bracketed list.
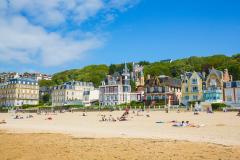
[(20, 41), (26, 38), (122, 5)]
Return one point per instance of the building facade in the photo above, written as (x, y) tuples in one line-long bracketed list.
[(213, 87), (116, 89), (192, 89), (18, 92), (137, 77), (72, 93), (231, 93), (162, 88), (6, 76)]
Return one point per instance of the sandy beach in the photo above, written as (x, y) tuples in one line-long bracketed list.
[(218, 136), (58, 146)]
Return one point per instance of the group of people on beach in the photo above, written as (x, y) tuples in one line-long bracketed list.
[(17, 116), (185, 124), (124, 117), (110, 118)]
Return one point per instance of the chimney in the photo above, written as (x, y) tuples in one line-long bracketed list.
[(226, 76), (148, 76)]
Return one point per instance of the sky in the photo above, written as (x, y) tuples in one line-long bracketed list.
[(50, 36)]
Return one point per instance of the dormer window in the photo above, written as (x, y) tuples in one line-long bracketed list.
[(194, 81), (213, 82)]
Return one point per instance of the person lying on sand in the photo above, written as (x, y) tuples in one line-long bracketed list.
[(196, 113), (3, 122), (178, 124), (18, 117), (49, 118), (186, 124)]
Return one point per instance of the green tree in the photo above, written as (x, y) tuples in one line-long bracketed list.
[(112, 69), (46, 98)]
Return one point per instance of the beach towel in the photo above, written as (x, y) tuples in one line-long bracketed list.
[(159, 122)]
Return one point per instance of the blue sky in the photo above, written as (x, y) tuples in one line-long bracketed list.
[(53, 36)]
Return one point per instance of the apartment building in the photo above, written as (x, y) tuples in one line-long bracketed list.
[(73, 93), (18, 92)]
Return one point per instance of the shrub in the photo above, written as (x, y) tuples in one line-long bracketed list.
[(218, 106)]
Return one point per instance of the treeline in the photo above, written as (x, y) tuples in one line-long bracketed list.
[(97, 73)]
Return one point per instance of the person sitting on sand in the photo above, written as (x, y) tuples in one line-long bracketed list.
[(16, 117), (103, 118), (196, 113), (122, 118), (209, 110), (29, 116), (166, 110), (110, 118), (238, 114), (84, 114)]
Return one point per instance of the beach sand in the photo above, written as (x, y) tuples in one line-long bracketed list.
[(74, 136), (58, 146)]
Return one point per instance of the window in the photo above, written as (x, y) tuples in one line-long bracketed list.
[(156, 98), (229, 98), (151, 89), (228, 84), (238, 84), (195, 97), (213, 82), (195, 89), (194, 81), (155, 89)]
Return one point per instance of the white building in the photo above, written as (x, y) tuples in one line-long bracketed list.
[(74, 93), (116, 89)]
